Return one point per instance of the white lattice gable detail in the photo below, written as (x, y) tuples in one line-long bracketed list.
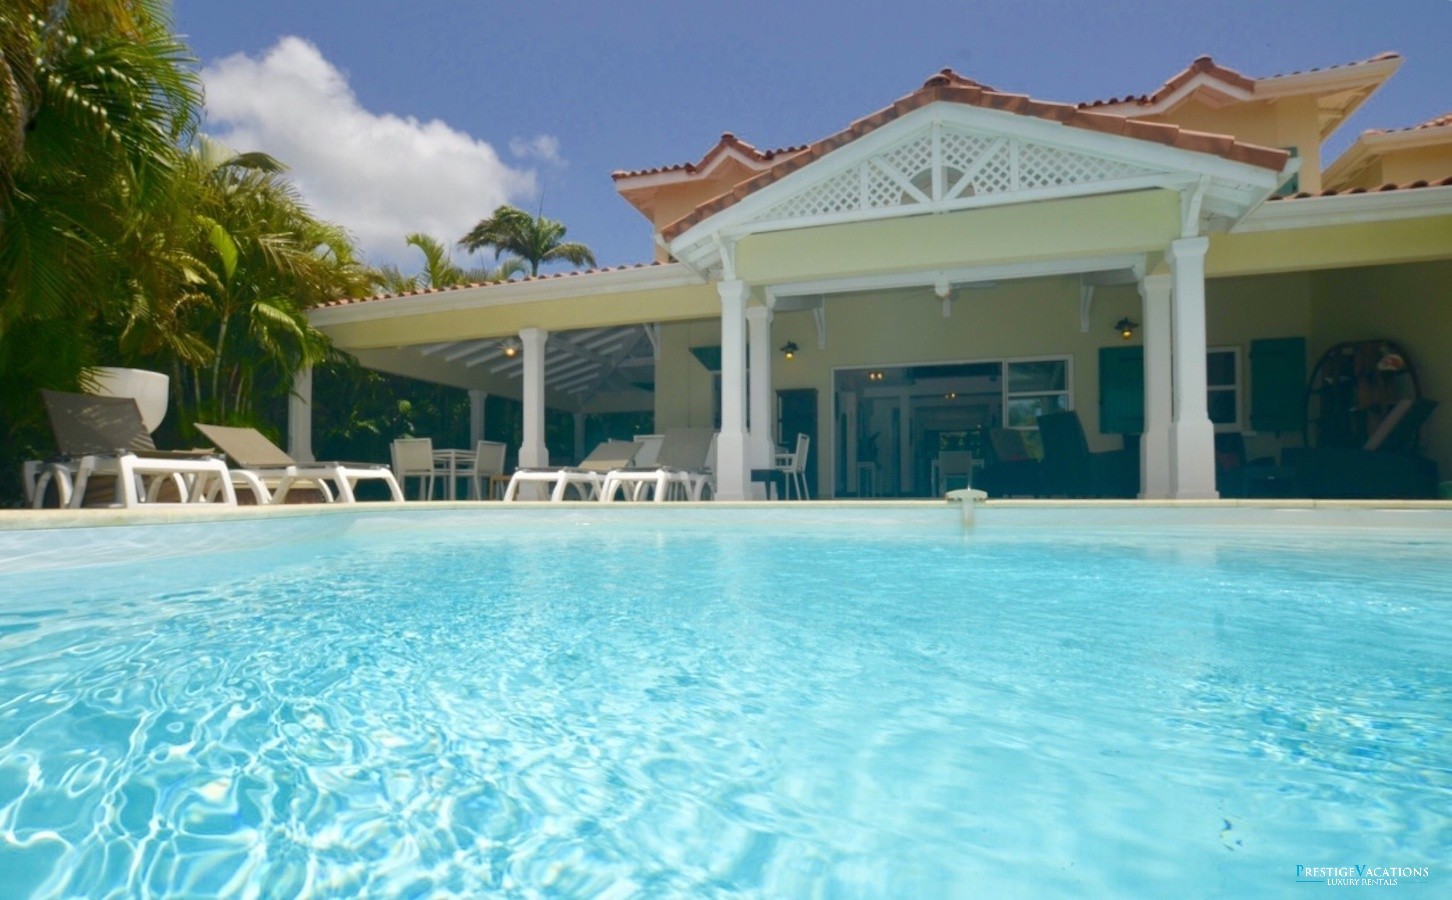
[(944, 167), (946, 156)]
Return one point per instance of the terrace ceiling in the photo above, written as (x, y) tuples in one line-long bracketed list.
[(595, 369)]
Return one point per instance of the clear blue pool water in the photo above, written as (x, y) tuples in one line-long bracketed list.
[(586, 704)]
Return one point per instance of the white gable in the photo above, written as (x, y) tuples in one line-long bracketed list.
[(948, 156), (944, 167)]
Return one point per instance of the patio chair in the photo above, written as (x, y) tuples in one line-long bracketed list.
[(793, 467), (681, 469), (262, 465), (414, 458), (488, 468), (1069, 469), (586, 478), (953, 465), (105, 436)]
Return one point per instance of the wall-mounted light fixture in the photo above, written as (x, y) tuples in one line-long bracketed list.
[(511, 346), (1126, 327), (875, 375), (951, 395), (789, 349)]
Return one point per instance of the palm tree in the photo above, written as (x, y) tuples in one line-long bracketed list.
[(440, 271), (250, 259), (533, 239)]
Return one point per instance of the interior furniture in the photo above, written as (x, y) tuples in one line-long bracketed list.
[(1013, 470), (1070, 470), (950, 466)]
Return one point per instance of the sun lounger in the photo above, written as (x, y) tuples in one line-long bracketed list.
[(586, 478), (105, 436), (262, 465), (683, 470)]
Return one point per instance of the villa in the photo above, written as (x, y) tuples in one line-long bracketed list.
[(1181, 269)]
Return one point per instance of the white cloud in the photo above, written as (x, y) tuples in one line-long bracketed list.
[(542, 147), (378, 175)]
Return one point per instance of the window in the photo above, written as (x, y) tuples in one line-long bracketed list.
[(1032, 388), (1222, 380)]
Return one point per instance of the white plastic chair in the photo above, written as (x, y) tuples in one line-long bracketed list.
[(793, 467), (953, 464), (414, 458), (488, 469)]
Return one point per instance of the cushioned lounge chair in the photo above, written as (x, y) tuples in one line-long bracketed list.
[(105, 436), (683, 469), (586, 478), (264, 466)]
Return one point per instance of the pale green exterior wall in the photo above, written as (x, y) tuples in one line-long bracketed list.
[(1078, 227)]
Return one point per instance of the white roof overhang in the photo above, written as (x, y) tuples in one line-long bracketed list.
[(1349, 209), (599, 356), (949, 156)]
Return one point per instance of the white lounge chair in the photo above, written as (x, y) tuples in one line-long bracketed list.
[(586, 478), (264, 466), (105, 436), (682, 470)]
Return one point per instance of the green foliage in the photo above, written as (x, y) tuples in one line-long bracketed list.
[(96, 96), (439, 270), (124, 239), (533, 239)]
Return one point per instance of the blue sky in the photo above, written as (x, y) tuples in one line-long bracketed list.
[(424, 115)]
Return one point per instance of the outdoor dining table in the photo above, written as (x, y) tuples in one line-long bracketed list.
[(457, 463)]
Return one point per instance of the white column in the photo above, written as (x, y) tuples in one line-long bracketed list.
[(1193, 437), (476, 416), (533, 453), (1154, 445), (760, 445), (300, 416), (732, 471)]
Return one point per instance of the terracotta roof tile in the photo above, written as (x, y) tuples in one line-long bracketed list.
[(1207, 65), (728, 140), (346, 301), (1438, 122), (1337, 192), (949, 86)]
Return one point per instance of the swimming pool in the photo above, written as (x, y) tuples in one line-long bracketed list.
[(871, 702)]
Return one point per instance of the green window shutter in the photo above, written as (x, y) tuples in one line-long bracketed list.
[(1121, 390), (1278, 384)]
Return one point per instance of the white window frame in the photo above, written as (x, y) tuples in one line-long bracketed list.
[(1067, 392), (1237, 387)]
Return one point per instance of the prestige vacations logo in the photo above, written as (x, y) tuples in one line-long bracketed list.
[(1362, 876)]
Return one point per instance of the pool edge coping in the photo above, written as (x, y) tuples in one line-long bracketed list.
[(51, 519)]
